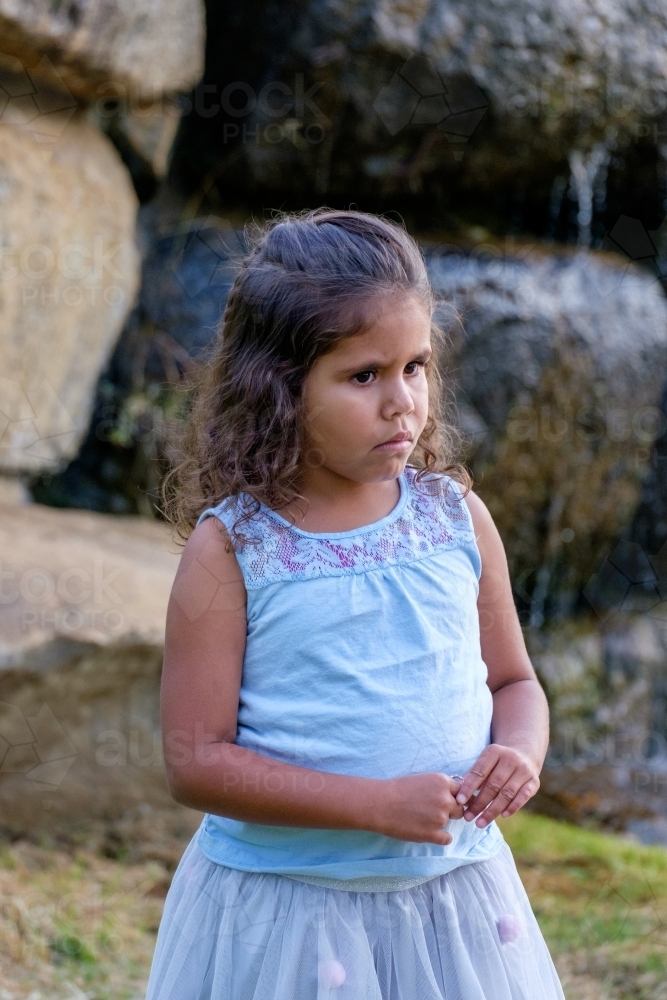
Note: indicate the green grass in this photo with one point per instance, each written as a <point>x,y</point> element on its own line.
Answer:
<point>77,919</point>
<point>601,902</point>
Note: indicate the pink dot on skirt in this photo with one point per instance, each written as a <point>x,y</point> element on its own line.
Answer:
<point>331,973</point>
<point>509,927</point>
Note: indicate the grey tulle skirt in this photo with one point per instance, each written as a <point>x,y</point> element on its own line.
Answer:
<point>233,935</point>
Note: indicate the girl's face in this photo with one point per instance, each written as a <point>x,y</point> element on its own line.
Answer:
<point>366,401</point>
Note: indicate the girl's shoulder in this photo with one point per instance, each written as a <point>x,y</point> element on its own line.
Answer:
<point>439,497</point>
<point>443,488</point>
<point>430,516</point>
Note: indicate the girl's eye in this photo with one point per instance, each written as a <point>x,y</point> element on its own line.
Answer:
<point>363,378</point>
<point>415,366</point>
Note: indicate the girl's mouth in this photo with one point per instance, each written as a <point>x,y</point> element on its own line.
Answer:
<point>400,442</point>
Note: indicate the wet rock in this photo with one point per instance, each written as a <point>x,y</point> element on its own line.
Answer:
<point>187,272</point>
<point>649,526</point>
<point>560,362</point>
<point>557,363</point>
<point>607,758</point>
<point>601,678</point>
<point>594,797</point>
<point>381,98</point>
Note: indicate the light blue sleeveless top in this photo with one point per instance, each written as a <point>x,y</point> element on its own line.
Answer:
<point>362,658</point>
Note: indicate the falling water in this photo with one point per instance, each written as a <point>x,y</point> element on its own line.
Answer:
<point>588,172</point>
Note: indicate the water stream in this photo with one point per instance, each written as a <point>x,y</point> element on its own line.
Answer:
<point>588,176</point>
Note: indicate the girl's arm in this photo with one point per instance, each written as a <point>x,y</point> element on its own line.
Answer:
<point>206,770</point>
<point>507,771</point>
<point>201,678</point>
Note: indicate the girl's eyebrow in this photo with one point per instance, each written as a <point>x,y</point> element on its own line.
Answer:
<point>365,366</point>
<point>423,356</point>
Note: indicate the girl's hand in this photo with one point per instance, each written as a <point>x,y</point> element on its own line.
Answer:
<point>417,807</point>
<point>506,779</point>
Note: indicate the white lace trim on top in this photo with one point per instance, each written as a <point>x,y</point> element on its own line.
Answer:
<point>429,517</point>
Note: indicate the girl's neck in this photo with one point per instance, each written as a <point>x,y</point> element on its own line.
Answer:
<point>339,504</point>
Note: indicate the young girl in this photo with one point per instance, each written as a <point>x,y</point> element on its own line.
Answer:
<point>346,693</point>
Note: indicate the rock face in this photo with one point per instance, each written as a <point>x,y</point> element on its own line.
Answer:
<point>70,267</point>
<point>559,362</point>
<point>109,47</point>
<point>82,624</point>
<point>605,682</point>
<point>584,65</point>
<point>83,602</point>
<point>649,528</point>
<point>79,577</point>
<point>70,275</point>
<point>144,139</point>
<point>187,272</point>
<point>387,98</point>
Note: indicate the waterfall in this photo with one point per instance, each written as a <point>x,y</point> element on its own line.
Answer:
<point>588,176</point>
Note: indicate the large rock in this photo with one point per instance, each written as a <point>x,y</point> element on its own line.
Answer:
<point>568,66</point>
<point>70,275</point>
<point>83,603</point>
<point>560,362</point>
<point>187,272</point>
<point>82,617</point>
<point>104,48</point>
<point>605,681</point>
<point>558,368</point>
<point>144,139</point>
<point>78,577</point>
<point>649,528</point>
<point>387,98</point>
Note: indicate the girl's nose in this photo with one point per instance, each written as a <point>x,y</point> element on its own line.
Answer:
<point>398,401</point>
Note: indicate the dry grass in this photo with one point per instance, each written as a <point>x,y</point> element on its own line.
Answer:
<point>78,926</point>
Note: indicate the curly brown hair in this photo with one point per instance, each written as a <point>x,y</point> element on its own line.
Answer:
<point>309,279</point>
